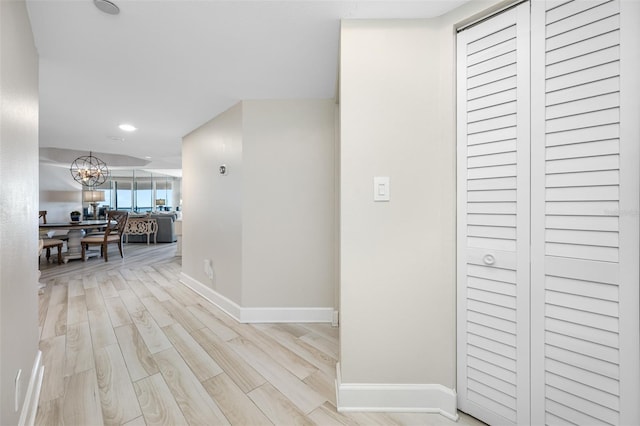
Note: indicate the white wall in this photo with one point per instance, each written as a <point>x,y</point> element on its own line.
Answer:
<point>212,216</point>
<point>397,100</point>
<point>269,224</point>
<point>288,203</point>
<point>19,200</point>
<point>397,257</point>
<point>59,193</point>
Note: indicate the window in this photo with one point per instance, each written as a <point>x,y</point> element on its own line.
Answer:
<point>143,195</point>
<point>124,195</point>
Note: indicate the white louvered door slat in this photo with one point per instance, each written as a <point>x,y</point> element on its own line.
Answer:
<point>493,216</point>
<point>548,214</point>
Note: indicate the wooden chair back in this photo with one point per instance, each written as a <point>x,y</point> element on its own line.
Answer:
<point>42,215</point>
<point>117,222</point>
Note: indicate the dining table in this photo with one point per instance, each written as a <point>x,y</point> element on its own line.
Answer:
<point>77,230</point>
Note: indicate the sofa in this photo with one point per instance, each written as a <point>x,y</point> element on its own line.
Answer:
<point>166,228</point>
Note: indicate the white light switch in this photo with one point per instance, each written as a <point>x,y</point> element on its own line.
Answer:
<point>381,188</point>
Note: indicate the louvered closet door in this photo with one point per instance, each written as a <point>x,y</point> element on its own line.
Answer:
<point>584,214</point>
<point>493,218</point>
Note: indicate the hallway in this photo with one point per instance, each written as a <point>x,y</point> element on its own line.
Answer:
<point>124,342</point>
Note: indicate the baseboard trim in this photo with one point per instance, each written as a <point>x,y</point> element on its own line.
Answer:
<point>32,397</point>
<point>283,315</point>
<point>423,398</point>
<point>257,315</point>
<point>227,305</point>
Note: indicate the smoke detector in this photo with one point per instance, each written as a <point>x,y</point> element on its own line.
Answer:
<point>107,7</point>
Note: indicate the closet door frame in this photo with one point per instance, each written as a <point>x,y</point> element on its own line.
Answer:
<point>630,210</point>
<point>538,27</point>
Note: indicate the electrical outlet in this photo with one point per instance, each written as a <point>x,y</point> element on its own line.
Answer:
<point>208,268</point>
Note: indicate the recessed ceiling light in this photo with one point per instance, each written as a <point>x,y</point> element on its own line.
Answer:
<point>116,138</point>
<point>147,157</point>
<point>107,7</point>
<point>127,127</point>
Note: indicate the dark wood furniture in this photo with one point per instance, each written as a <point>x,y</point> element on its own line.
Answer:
<point>117,220</point>
<point>76,232</point>
<point>49,243</point>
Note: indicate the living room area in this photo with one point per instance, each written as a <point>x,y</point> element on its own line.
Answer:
<point>151,197</point>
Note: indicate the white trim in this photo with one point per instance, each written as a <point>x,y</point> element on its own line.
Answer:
<point>537,212</point>
<point>258,315</point>
<point>490,14</point>
<point>31,398</point>
<point>523,215</point>
<point>383,397</point>
<point>461,217</point>
<point>227,305</point>
<point>629,214</point>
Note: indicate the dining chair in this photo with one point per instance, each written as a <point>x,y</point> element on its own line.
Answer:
<point>49,243</point>
<point>113,234</point>
<point>45,234</point>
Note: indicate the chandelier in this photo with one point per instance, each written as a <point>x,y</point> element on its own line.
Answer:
<point>89,170</point>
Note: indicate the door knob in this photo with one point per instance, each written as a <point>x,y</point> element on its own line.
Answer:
<point>488,259</point>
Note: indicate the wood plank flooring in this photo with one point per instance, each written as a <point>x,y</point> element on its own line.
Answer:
<point>125,343</point>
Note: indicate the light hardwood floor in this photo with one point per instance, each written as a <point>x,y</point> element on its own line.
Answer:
<point>125,343</point>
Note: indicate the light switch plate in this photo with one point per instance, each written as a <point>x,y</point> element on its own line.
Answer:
<point>381,190</point>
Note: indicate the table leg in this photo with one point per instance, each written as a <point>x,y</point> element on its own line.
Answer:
<point>74,247</point>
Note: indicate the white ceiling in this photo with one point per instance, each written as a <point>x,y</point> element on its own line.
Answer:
<point>168,66</point>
